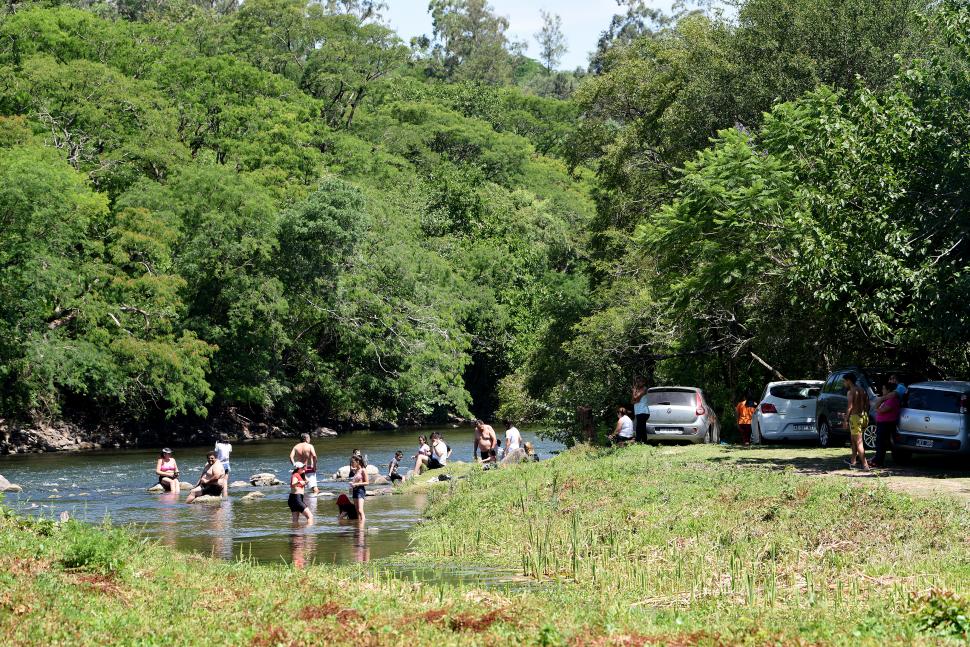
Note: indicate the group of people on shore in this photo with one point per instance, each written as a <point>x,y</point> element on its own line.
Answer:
<point>630,430</point>
<point>431,455</point>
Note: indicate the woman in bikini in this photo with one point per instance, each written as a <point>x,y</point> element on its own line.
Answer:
<point>297,488</point>
<point>358,486</point>
<point>168,471</point>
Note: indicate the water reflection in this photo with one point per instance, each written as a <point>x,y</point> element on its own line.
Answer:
<point>168,519</point>
<point>361,551</point>
<point>220,527</point>
<point>303,547</point>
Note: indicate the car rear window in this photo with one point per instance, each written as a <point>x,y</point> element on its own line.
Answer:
<point>934,400</point>
<point>673,398</point>
<point>795,391</point>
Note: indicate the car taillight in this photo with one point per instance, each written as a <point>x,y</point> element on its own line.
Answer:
<point>700,410</point>
<point>767,407</point>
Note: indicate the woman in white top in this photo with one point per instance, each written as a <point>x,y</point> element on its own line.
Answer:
<point>513,439</point>
<point>223,449</point>
<point>623,434</point>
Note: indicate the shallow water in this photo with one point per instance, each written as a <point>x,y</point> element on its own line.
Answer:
<point>92,486</point>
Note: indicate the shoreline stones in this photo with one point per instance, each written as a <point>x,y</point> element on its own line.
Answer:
<point>208,499</point>
<point>264,479</point>
<point>7,486</point>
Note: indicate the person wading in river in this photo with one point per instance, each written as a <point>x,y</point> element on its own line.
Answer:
<point>223,449</point>
<point>168,471</point>
<point>304,452</point>
<point>486,443</point>
<point>210,482</point>
<point>296,503</point>
<point>358,486</point>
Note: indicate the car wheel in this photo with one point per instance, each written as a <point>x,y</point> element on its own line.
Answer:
<point>825,434</point>
<point>869,437</point>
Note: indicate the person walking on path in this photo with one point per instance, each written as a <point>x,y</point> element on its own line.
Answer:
<point>358,486</point>
<point>623,434</point>
<point>745,410</point>
<point>486,443</point>
<point>168,471</point>
<point>304,452</point>
<point>296,503</point>
<point>223,449</point>
<point>887,417</point>
<point>641,410</point>
<point>858,414</point>
<point>210,482</point>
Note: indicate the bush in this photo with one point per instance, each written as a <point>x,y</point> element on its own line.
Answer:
<point>942,613</point>
<point>102,549</point>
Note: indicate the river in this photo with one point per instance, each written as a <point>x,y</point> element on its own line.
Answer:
<point>94,486</point>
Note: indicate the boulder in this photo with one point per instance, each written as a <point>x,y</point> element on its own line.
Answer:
<point>185,485</point>
<point>324,432</point>
<point>158,487</point>
<point>3,482</point>
<point>372,470</point>
<point>379,480</point>
<point>239,484</point>
<point>208,499</point>
<point>342,474</point>
<point>264,479</point>
<point>253,496</point>
<point>13,487</point>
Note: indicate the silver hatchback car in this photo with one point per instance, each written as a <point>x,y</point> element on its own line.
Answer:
<point>934,420</point>
<point>681,413</point>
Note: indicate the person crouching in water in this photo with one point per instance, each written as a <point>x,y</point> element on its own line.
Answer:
<point>297,489</point>
<point>358,485</point>
<point>211,481</point>
<point>392,468</point>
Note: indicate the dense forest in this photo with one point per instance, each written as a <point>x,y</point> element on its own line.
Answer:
<point>281,208</point>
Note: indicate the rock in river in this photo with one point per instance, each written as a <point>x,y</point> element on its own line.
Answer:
<point>239,484</point>
<point>158,487</point>
<point>264,479</point>
<point>210,500</point>
<point>7,486</point>
<point>344,472</point>
<point>253,496</point>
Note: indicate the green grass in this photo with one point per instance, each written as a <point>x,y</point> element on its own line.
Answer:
<point>634,546</point>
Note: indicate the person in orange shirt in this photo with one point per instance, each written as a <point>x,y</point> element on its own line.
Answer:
<point>745,409</point>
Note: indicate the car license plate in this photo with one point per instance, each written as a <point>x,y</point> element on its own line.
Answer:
<point>924,442</point>
<point>803,427</point>
<point>667,430</point>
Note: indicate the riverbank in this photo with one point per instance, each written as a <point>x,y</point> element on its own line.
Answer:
<point>23,437</point>
<point>694,545</point>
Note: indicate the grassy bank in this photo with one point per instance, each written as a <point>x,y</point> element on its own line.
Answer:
<point>697,545</point>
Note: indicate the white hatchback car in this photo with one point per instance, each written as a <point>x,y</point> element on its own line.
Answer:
<point>786,412</point>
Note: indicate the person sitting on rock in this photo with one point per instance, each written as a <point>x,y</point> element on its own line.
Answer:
<point>393,466</point>
<point>168,471</point>
<point>211,481</point>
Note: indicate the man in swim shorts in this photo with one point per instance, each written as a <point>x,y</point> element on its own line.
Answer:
<point>210,482</point>
<point>858,413</point>
<point>304,452</point>
<point>486,443</point>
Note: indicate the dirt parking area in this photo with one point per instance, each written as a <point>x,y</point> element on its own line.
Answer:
<point>926,476</point>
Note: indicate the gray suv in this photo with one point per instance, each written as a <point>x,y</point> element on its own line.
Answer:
<point>832,405</point>
<point>934,420</point>
<point>681,413</point>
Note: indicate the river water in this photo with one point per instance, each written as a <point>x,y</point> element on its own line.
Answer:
<point>93,486</point>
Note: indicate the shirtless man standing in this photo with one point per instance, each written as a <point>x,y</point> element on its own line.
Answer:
<point>303,452</point>
<point>485,443</point>
<point>858,413</point>
<point>210,481</point>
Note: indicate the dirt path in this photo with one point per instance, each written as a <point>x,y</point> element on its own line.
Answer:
<point>927,476</point>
